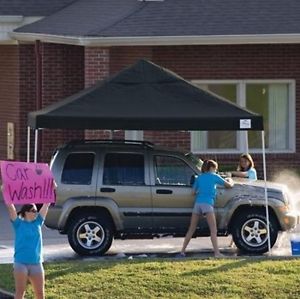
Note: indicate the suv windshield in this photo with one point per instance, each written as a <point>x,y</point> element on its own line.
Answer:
<point>194,159</point>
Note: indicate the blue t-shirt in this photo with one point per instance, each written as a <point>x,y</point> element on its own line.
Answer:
<point>28,240</point>
<point>252,174</point>
<point>205,187</point>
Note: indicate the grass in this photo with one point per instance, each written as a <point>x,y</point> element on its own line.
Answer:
<point>169,278</point>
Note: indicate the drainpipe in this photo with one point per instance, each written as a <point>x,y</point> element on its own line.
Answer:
<point>38,95</point>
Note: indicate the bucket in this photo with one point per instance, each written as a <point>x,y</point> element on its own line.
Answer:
<point>295,245</point>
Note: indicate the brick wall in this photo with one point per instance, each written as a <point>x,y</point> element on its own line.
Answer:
<point>62,76</point>
<point>27,97</point>
<point>122,57</point>
<point>9,95</point>
<point>96,61</point>
<point>101,63</point>
<point>67,69</point>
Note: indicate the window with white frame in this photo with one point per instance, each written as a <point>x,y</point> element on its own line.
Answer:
<point>273,99</point>
<point>134,135</point>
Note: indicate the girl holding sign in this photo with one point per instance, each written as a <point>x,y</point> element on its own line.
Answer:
<point>25,183</point>
<point>28,248</point>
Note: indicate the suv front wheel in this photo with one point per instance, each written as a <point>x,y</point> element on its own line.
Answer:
<point>90,234</point>
<point>249,232</point>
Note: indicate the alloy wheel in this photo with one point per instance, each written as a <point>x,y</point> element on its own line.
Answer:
<point>254,232</point>
<point>90,235</point>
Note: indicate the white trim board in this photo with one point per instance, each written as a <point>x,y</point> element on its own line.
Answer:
<point>159,40</point>
<point>10,23</point>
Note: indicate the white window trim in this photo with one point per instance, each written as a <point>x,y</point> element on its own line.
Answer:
<point>134,135</point>
<point>241,100</point>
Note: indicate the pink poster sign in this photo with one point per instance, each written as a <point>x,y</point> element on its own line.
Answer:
<point>27,183</point>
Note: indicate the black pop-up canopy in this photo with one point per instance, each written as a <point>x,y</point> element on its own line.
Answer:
<point>145,96</point>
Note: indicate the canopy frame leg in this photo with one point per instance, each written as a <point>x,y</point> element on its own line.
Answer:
<point>36,133</point>
<point>28,144</point>
<point>266,190</point>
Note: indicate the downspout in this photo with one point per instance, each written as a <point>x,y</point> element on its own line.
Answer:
<point>38,95</point>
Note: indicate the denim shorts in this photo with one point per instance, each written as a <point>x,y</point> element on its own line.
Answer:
<point>203,208</point>
<point>29,269</point>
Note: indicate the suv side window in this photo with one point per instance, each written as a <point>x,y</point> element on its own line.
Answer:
<point>124,169</point>
<point>172,171</point>
<point>78,169</point>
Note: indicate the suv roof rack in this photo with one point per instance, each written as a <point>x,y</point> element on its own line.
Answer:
<point>111,141</point>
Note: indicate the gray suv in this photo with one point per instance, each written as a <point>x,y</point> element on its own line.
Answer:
<point>129,189</point>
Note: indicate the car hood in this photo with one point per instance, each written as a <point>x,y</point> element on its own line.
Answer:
<point>271,186</point>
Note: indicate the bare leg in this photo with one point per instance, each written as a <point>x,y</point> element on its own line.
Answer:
<point>38,282</point>
<point>193,225</point>
<point>20,284</point>
<point>211,220</point>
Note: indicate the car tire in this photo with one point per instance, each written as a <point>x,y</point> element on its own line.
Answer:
<point>249,232</point>
<point>90,234</point>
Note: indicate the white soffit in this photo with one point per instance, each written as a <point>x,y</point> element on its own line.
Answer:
<point>160,40</point>
<point>10,23</point>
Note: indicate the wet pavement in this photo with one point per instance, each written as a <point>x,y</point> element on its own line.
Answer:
<point>56,249</point>
<point>56,246</point>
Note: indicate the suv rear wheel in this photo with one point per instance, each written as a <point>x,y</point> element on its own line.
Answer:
<point>249,232</point>
<point>90,234</point>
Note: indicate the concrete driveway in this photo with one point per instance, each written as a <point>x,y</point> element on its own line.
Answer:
<point>56,246</point>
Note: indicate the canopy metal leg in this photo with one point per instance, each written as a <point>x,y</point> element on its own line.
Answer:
<point>247,142</point>
<point>28,144</point>
<point>35,145</point>
<point>266,190</point>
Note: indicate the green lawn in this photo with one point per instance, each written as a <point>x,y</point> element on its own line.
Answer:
<point>169,278</point>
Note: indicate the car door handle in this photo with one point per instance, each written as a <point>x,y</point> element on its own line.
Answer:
<point>107,189</point>
<point>164,191</point>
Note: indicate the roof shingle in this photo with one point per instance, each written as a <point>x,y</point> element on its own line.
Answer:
<point>28,8</point>
<point>133,18</point>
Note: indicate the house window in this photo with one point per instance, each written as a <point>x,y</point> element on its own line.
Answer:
<point>134,135</point>
<point>274,100</point>
<point>218,139</point>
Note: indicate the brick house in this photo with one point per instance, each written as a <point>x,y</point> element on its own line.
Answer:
<point>245,51</point>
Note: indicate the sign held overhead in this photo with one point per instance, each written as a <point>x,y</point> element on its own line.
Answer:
<point>25,183</point>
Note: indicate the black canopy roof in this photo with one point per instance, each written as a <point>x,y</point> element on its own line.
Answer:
<point>145,96</point>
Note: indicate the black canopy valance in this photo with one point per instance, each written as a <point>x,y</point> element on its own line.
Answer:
<point>145,96</point>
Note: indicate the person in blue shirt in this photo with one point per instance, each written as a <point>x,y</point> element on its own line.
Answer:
<point>205,191</point>
<point>28,257</point>
<point>245,168</point>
